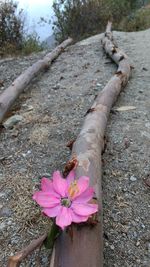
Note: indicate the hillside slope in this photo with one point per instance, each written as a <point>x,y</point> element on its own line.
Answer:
<point>52,113</point>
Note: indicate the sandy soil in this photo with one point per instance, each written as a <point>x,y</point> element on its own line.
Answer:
<point>53,111</point>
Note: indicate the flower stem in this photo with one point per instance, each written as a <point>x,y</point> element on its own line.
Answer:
<point>52,235</point>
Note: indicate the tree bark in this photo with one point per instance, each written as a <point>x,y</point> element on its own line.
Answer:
<point>8,97</point>
<point>84,247</point>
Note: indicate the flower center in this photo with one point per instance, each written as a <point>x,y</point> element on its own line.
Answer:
<point>66,202</point>
<point>73,189</point>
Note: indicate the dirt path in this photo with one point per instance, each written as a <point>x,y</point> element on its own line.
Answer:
<point>53,111</point>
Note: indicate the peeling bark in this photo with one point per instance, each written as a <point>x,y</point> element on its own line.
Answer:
<point>86,247</point>
<point>8,97</point>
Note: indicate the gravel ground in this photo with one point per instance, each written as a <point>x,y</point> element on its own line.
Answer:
<point>52,113</point>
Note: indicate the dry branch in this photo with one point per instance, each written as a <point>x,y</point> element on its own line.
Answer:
<point>14,261</point>
<point>84,248</point>
<point>8,97</point>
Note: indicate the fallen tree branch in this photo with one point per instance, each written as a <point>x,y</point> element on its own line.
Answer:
<point>84,248</point>
<point>14,261</point>
<point>8,97</point>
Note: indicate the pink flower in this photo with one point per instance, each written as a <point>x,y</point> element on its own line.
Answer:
<point>66,199</point>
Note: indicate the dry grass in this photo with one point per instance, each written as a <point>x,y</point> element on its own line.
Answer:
<point>26,213</point>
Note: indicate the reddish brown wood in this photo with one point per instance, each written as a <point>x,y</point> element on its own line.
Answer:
<point>8,97</point>
<point>86,247</point>
<point>14,261</point>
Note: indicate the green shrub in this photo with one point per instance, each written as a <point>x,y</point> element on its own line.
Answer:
<point>139,20</point>
<point>13,38</point>
<point>80,18</point>
<point>31,44</point>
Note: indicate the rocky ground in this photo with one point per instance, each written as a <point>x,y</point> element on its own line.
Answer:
<point>51,113</point>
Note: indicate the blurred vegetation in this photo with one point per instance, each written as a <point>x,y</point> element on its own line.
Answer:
<point>139,20</point>
<point>13,36</point>
<point>82,18</point>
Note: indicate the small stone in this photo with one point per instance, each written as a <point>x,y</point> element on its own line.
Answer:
<point>2,226</point>
<point>148,247</point>
<point>147,125</point>
<point>9,223</point>
<point>133,178</point>
<point>137,243</point>
<point>56,87</point>
<point>112,247</point>
<point>22,170</point>
<point>106,244</point>
<point>5,212</point>
<point>99,84</point>
<point>29,108</point>
<point>9,123</point>
<point>145,134</point>
<point>3,195</point>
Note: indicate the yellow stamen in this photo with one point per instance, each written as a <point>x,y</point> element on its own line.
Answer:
<point>73,189</point>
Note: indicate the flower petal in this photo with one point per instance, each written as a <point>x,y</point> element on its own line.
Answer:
<point>52,212</point>
<point>70,177</point>
<point>46,199</point>
<point>59,184</point>
<point>84,209</point>
<point>77,218</point>
<point>85,196</point>
<point>64,217</point>
<point>83,183</point>
<point>47,186</point>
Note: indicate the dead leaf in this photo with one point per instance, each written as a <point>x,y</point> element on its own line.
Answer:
<point>125,108</point>
<point>147,181</point>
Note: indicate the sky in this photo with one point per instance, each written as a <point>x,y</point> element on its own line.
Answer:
<point>34,9</point>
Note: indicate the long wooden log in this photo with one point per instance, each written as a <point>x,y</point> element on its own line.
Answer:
<point>84,247</point>
<point>8,97</point>
<point>14,261</point>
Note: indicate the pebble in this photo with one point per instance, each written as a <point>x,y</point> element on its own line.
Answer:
<point>112,247</point>
<point>147,125</point>
<point>137,243</point>
<point>143,226</point>
<point>56,87</point>
<point>9,123</point>
<point>29,108</point>
<point>2,226</point>
<point>133,178</point>
<point>22,170</point>
<point>9,223</point>
<point>99,84</point>
<point>5,212</point>
<point>3,195</point>
<point>106,244</point>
